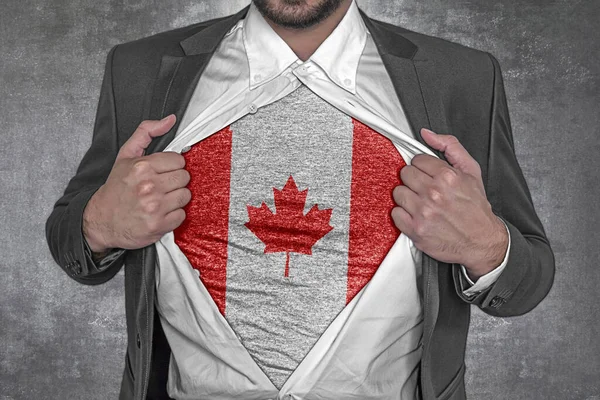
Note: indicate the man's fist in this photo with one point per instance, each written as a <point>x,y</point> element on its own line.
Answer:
<point>143,197</point>
<point>444,210</point>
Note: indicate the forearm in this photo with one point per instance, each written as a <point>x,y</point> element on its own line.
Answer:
<point>64,226</point>
<point>529,273</point>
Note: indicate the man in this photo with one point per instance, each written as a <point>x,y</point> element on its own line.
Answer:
<point>403,230</point>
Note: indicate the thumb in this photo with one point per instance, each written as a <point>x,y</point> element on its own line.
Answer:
<point>453,150</point>
<point>141,138</point>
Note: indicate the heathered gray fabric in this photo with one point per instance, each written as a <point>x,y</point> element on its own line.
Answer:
<point>277,318</point>
<point>369,350</point>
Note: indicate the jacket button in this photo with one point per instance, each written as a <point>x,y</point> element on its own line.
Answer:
<point>497,302</point>
<point>76,267</point>
<point>138,341</point>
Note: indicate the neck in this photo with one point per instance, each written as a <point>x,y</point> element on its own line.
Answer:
<point>304,42</point>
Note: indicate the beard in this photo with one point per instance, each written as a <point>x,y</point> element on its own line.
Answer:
<point>296,14</point>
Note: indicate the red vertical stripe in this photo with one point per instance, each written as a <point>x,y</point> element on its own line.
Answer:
<point>202,237</point>
<point>376,166</point>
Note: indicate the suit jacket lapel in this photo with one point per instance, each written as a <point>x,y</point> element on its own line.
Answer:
<point>175,83</point>
<point>399,55</point>
<point>178,76</point>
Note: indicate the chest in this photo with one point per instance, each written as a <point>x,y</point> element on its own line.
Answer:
<point>290,218</point>
<point>293,199</point>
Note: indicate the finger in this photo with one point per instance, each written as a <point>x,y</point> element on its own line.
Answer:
<point>172,180</point>
<point>414,178</point>
<point>406,198</point>
<point>429,165</point>
<point>142,136</point>
<point>402,220</point>
<point>453,150</point>
<point>166,161</point>
<point>175,199</point>
<point>173,219</point>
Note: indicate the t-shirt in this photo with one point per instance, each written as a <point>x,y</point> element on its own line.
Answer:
<point>289,220</point>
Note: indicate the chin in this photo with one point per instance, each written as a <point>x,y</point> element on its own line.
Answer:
<point>297,14</point>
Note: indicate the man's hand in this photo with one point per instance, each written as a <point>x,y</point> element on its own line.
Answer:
<point>444,210</point>
<point>143,197</point>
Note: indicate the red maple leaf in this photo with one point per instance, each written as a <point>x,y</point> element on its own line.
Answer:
<point>289,229</point>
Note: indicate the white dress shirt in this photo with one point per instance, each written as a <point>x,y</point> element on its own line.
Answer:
<point>253,66</point>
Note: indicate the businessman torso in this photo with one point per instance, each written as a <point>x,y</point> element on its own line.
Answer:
<point>441,85</point>
<point>425,86</point>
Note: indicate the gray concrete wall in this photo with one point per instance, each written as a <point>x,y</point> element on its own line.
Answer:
<point>63,340</point>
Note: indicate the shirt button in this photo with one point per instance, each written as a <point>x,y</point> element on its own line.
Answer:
<point>347,82</point>
<point>186,149</point>
<point>257,77</point>
<point>252,108</point>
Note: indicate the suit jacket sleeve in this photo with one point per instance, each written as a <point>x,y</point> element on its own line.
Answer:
<point>529,272</point>
<point>64,225</point>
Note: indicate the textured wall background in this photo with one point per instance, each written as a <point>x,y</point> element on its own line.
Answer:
<point>63,340</point>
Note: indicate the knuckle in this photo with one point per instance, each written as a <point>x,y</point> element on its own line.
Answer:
<point>145,125</point>
<point>145,187</point>
<point>184,197</point>
<point>427,212</point>
<point>418,229</point>
<point>397,195</point>
<point>181,216</point>
<point>405,171</point>
<point>186,176</point>
<point>396,214</point>
<point>174,179</point>
<point>448,175</point>
<point>181,160</point>
<point>151,207</point>
<point>141,167</point>
<point>434,195</point>
<point>452,139</point>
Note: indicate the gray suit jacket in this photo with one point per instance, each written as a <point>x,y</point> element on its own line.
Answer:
<point>443,86</point>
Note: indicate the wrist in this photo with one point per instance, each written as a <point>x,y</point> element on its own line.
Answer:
<point>92,229</point>
<point>96,257</point>
<point>492,252</point>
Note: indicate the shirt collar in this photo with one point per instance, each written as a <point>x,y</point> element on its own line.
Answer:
<point>269,55</point>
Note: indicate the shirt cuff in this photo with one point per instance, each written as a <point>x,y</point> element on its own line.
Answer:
<point>104,261</point>
<point>488,279</point>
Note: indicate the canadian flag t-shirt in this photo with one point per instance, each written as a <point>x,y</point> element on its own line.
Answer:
<point>289,219</point>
